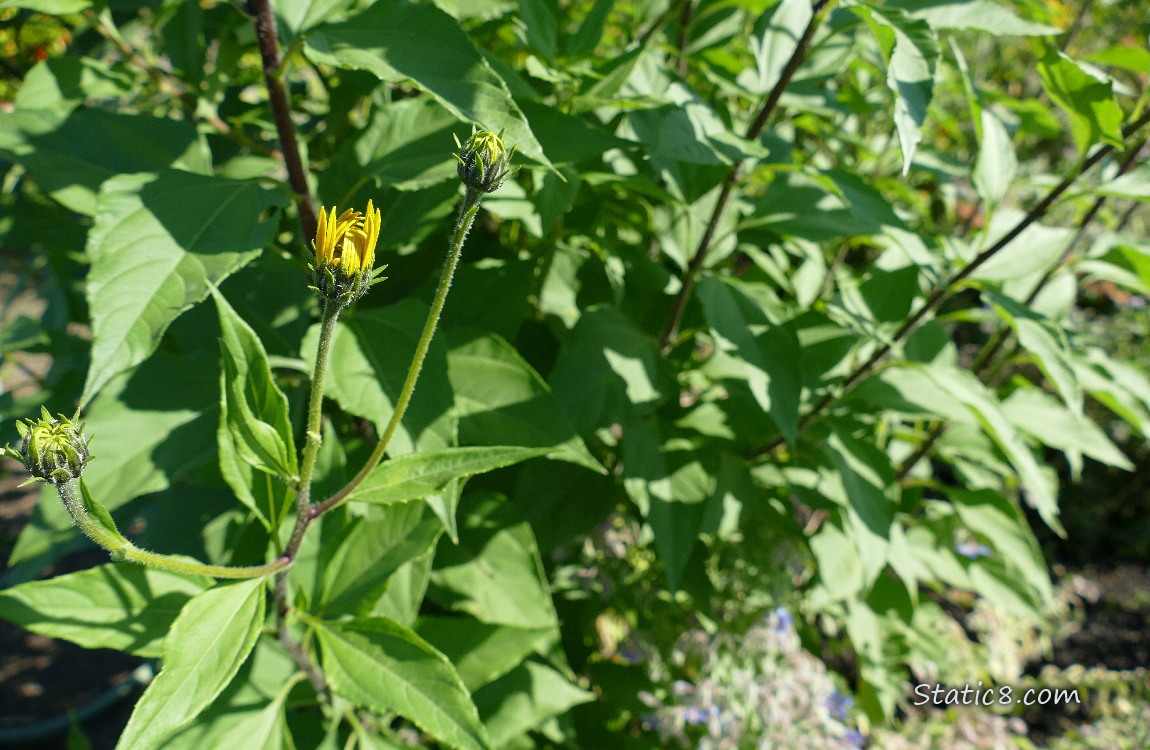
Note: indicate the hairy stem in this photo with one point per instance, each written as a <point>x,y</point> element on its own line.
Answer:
<point>312,438</point>
<point>265,25</point>
<point>467,210</point>
<point>314,435</point>
<point>179,565</point>
<point>695,265</point>
<point>72,494</point>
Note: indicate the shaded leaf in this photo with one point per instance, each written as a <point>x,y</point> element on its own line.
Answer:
<point>379,664</point>
<point>208,643</point>
<point>160,243</point>
<point>126,607</point>
<point>401,41</point>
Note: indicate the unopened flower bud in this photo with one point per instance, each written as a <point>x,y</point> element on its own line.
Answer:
<point>54,449</point>
<point>345,253</point>
<point>483,160</point>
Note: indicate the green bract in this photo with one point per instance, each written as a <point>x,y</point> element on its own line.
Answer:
<point>483,160</point>
<point>52,449</point>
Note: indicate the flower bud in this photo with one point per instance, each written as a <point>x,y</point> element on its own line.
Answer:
<point>483,160</point>
<point>54,449</point>
<point>344,249</point>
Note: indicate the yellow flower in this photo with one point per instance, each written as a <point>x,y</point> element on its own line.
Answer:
<point>344,249</point>
<point>348,241</point>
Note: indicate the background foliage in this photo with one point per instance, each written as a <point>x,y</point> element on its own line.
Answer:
<point>786,336</point>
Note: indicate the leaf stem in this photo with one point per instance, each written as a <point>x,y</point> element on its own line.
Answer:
<point>735,176</point>
<point>265,25</point>
<point>467,210</point>
<point>179,565</point>
<point>104,534</point>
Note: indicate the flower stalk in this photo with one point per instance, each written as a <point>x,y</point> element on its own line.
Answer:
<point>483,167</point>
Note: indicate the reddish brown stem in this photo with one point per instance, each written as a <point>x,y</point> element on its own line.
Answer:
<point>265,24</point>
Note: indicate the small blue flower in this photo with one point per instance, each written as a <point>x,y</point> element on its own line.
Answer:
<point>838,704</point>
<point>694,715</point>
<point>972,550</point>
<point>854,738</point>
<point>783,620</point>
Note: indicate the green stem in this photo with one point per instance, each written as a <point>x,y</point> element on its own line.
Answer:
<point>467,210</point>
<point>105,534</point>
<point>313,436</point>
<point>180,565</point>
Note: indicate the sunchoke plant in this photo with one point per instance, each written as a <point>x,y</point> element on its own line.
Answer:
<point>772,345</point>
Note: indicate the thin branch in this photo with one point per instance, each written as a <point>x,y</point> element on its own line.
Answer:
<point>943,291</point>
<point>1076,25</point>
<point>650,31</point>
<point>671,330</point>
<point>684,36</point>
<point>314,675</point>
<point>265,25</point>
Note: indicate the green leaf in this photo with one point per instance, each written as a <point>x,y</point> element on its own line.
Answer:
<point>674,488</point>
<point>59,84</point>
<point>401,148</point>
<point>208,643</point>
<point>1125,56</point>
<point>73,157</point>
<point>52,7</point>
<point>965,388</point>
<point>1001,523</point>
<point>501,400</point>
<point>299,15</point>
<point>1046,420</point>
<point>369,359</point>
<point>400,41</point>
<point>910,49</point>
<point>1034,250</point>
<point>252,406</point>
<point>870,487</point>
<point>379,664</point>
<point>1046,342</point>
<point>1087,100</point>
<point>405,591</point>
<point>121,606</point>
<point>750,347</point>
<point>773,42</point>
<point>608,372</point>
<point>249,713</point>
<point>480,651</point>
<point>354,568</point>
<point>569,139</point>
<point>996,163</point>
<point>978,15</point>
<point>159,244</point>
<point>688,130</point>
<point>537,19</point>
<point>1134,184</point>
<point>494,573</point>
<point>523,699</point>
<point>586,39</point>
<point>841,570</point>
<point>419,475</point>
